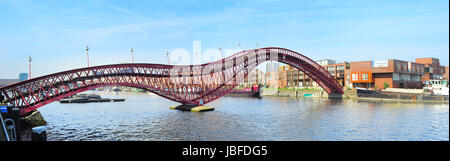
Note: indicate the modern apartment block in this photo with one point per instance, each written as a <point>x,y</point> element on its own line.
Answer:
<point>272,66</point>
<point>255,77</point>
<point>433,70</point>
<point>290,77</point>
<point>324,62</point>
<point>340,71</point>
<point>390,73</point>
<point>272,79</point>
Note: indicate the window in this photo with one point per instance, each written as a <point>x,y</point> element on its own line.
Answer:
<point>399,67</point>
<point>354,77</point>
<point>415,77</point>
<point>332,68</point>
<point>405,67</point>
<point>395,76</point>
<point>364,76</point>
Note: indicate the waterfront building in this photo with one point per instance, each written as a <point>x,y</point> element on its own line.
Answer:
<point>272,79</point>
<point>290,77</point>
<point>446,73</point>
<point>255,77</point>
<point>433,70</point>
<point>23,76</point>
<point>272,66</point>
<point>341,72</point>
<point>390,73</point>
<point>324,62</point>
<point>282,75</point>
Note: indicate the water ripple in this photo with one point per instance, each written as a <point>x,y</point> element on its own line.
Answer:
<point>144,117</point>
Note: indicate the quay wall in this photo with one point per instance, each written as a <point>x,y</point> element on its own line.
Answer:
<point>348,94</point>
<point>352,94</point>
<point>404,96</point>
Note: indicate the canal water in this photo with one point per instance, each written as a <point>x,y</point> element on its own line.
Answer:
<point>148,117</point>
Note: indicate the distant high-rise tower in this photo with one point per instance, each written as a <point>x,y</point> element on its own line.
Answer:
<point>23,76</point>
<point>272,66</point>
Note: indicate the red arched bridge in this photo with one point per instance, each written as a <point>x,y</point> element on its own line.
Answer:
<point>186,84</point>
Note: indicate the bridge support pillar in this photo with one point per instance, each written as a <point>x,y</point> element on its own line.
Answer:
<point>28,122</point>
<point>192,108</point>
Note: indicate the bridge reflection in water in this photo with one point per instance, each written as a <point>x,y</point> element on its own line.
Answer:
<point>145,117</point>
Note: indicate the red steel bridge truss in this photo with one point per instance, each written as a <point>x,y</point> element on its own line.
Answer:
<point>186,84</point>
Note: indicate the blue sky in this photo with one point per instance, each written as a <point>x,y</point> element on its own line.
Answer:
<point>55,33</point>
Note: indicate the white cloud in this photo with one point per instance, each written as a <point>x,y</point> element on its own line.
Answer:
<point>125,11</point>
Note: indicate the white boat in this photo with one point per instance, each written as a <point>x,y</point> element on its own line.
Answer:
<point>438,87</point>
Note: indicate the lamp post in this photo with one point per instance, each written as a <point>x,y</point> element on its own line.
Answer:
<point>132,57</point>
<point>29,67</point>
<point>168,60</point>
<point>87,55</point>
<point>245,79</point>
<point>221,54</point>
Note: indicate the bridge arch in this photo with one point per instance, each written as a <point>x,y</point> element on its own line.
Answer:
<point>186,84</point>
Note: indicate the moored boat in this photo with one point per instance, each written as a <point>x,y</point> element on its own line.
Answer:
<point>246,92</point>
<point>85,98</point>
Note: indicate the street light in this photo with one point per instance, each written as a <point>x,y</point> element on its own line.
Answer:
<point>87,55</point>
<point>132,57</point>
<point>246,79</point>
<point>167,54</point>
<point>29,67</point>
<point>221,54</point>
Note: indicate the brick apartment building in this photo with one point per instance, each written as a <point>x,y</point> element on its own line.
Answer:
<point>446,73</point>
<point>433,70</point>
<point>290,77</point>
<point>391,73</point>
<point>272,79</point>
<point>255,77</point>
<point>340,71</point>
